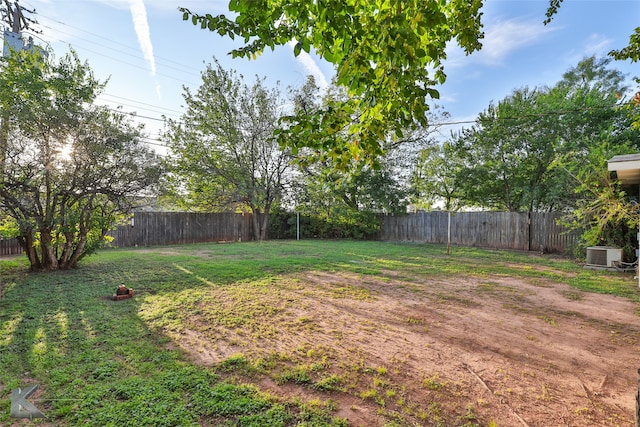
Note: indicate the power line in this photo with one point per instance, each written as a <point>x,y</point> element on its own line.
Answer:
<point>134,114</point>
<point>156,142</point>
<point>176,116</point>
<point>114,42</point>
<point>131,100</point>
<point>530,116</point>
<point>142,67</point>
<point>184,68</point>
<point>138,102</point>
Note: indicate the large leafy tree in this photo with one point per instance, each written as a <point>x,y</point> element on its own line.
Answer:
<point>326,189</point>
<point>69,168</point>
<point>438,179</point>
<point>592,123</point>
<point>508,154</point>
<point>224,149</point>
<point>526,152</point>
<point>325,186</point>
<point>604,128</point>
<point>388,54</point>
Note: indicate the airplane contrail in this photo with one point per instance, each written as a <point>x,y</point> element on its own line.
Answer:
<point>310,65</point>
<point>141,25</point>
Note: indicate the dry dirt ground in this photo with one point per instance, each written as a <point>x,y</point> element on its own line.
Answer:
<point>393,350</point>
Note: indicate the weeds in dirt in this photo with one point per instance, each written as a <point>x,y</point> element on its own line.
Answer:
<point>433,382</point>
<point>545,393</point>
<point>331,383</point>
<point>573,295</point>
<point>551,321</point>
<point>298,375</point>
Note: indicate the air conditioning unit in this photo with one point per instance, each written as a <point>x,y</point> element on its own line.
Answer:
<point>603,256</point>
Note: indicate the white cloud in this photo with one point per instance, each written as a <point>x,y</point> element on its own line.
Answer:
<point>311,67</point>
<point>141,25</point>
<point>506,37</point>
<point>594,45</point>
<point>501,39</point>
<point>597,44</point>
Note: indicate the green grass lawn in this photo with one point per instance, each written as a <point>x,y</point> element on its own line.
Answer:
<point>105,363</point>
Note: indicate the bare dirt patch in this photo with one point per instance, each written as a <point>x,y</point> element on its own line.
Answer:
<point>418,351</point>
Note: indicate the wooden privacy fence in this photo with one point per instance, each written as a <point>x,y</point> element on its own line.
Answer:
<point>10,247</point>
<point>170,228</point>
<point>499,230</point>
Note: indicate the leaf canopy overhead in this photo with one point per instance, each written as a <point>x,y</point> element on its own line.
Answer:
<point>387,53</point>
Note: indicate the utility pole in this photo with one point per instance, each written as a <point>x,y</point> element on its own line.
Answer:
<point>15,17</point>
<point>13,42</point>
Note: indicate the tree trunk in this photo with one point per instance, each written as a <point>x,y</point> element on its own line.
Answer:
<point>79,251</point>
<point>257,221</point>
<point>264,225</point>
<point>27,243</point>
<point>4,137</point>
<point>68,248</point>
<point>49,260</point>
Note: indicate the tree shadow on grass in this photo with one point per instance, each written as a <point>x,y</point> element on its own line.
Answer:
<point>63,331</point>
<point>97,361</point>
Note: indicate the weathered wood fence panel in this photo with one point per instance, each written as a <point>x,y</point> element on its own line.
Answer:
<point>10,247</point>
<point>169,228</point>
<point>431,228</point>
<point>499,230</point>
<point>549,236</point>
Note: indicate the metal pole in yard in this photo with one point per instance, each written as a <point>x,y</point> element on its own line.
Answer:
<point>297,225</point>
<point>448,232</point>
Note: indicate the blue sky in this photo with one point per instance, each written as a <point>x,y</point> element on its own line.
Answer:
<point>148,53</point>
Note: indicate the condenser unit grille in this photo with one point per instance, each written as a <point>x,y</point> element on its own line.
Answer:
<point>597,257</point>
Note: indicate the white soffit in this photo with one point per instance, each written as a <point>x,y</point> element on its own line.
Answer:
<point>627,167</point>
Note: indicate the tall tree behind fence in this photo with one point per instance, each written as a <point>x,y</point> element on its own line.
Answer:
<point>170,228</point>
<point>499,230</point>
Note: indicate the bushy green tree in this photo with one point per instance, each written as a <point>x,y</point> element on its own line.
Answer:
<point>327,191</point>
<point>602,208</point>
<point>225,155</point>
<point>547,149</point>
<point>438,180</point>
<point>69,168</point>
